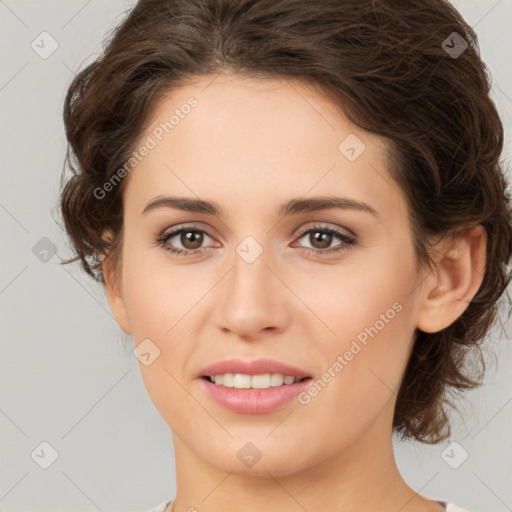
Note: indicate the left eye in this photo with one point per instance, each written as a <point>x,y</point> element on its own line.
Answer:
<point>323,238</point>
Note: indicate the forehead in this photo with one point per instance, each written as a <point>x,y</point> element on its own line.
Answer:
<point>243,138</point>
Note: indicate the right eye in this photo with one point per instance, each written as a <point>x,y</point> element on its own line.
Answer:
<point>190,238</point>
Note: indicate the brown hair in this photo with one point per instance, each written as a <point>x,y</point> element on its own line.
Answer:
<point>394,68</point>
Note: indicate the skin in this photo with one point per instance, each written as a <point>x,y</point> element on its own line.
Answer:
<point>250,145</point>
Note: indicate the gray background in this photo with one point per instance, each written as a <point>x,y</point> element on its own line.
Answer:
<point>68,376</point>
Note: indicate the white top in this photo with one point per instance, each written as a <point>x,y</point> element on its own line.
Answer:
<point>449,507</point>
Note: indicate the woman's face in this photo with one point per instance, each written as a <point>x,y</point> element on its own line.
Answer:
<point>261,281</point>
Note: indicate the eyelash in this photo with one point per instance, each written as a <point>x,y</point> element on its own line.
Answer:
<point>346,239</point>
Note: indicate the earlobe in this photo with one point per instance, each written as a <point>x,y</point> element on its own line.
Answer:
<point>460,272</point>
<point>114,295</point>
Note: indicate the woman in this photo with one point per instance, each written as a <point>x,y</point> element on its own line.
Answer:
<point>297,211</point>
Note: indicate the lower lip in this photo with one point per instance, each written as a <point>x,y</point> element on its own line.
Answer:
<point>254,401</point>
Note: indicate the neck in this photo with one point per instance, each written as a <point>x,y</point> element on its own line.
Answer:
<point>363,476</point>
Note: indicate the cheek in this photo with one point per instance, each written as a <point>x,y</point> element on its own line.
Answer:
<point>368,318</point>
<point>162,302</point>
<point>157,292</point>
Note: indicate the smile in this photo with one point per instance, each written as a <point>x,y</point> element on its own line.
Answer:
<point>245,381</point>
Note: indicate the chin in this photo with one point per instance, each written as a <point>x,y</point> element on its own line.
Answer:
<point>249,460</point>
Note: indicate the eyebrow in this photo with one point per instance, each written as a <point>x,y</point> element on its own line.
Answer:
<point>291,207</point>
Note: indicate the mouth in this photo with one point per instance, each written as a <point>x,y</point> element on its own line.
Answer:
<point>247,381</point>
<point>253,374</point>
<point>259,387</point>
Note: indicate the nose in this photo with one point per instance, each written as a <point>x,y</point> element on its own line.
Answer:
<point>253,299</point>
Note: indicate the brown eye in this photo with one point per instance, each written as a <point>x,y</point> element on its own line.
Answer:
<point>184,241</point>
<point>319,239</point>
<point>191,239</point>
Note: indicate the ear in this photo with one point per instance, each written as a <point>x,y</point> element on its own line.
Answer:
<point>114,294</point>
<point>460,272</point>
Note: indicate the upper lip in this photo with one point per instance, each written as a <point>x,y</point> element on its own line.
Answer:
<point>253,367</point>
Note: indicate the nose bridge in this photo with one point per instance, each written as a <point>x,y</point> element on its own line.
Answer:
<point>250,273</point>
<point>252,300</point>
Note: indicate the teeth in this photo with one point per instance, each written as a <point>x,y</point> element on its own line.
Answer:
<point>244,381</point>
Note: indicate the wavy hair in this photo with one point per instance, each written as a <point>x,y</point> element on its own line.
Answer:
<point>409,71</point>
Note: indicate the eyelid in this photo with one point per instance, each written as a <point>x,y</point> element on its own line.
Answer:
<point>326,226</point>
<point>172,232</point>
<point>298,233</point>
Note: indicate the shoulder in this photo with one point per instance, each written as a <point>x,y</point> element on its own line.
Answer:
<point>162,507</point>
